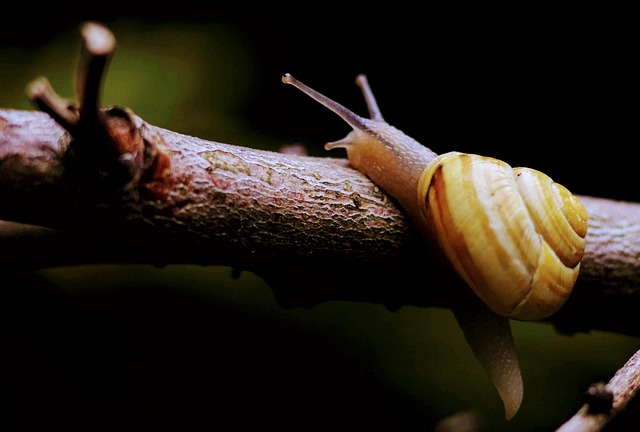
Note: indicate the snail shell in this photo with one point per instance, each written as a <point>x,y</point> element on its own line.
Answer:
<point>513,234</point>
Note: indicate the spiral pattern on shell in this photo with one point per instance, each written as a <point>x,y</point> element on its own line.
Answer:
<point>513,234</point>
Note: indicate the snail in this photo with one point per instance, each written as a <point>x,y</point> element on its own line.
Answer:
<point>513,235</point>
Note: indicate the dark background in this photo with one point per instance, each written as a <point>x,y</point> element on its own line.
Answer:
<point>543,85</point>
<point>550,85</point>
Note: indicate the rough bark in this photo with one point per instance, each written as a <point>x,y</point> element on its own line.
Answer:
<point>314,228</point>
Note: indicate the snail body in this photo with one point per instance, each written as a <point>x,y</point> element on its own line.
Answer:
<point>512,234</point>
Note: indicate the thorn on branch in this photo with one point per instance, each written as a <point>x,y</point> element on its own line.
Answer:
<point>98,46</point>
<point>598,398</point>
<point>295,148</point>
<point>110,144</point>
<point>46,99</point>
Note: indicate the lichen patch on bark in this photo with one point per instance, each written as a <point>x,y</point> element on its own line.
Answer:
<point>219,159</point>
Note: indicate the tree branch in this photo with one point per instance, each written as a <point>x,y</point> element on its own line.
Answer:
<point>605,402</point>
<point>283,216</point>
<point>219,204</point>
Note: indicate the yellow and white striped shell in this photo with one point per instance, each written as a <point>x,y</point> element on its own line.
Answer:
<point>513,234</point>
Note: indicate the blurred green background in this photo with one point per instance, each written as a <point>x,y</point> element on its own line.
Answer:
<point>189,347</point>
